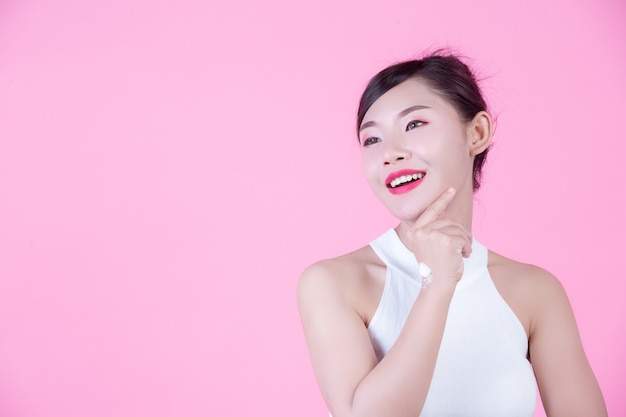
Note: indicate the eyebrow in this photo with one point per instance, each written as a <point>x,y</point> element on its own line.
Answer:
<point>401,114</point>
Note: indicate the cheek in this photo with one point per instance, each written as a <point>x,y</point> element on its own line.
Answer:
<point>371,174</point>
<point>451,148</point>
<point>459,163</point>
<point>367,167</point>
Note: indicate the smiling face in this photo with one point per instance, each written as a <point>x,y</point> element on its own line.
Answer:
<point>415,146</point>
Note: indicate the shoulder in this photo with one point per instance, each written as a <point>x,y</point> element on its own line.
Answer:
<point>343,272</point>
<point>522,276</point>
<point>346,280</point>
<point>531,291</point>
<point>521,273</point>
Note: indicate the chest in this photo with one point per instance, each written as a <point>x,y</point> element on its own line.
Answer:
<point>481,368</point>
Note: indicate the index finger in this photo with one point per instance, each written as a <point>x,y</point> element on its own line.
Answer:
<point>438,206</point>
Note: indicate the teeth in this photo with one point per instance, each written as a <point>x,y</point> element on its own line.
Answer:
<point>406,178</point>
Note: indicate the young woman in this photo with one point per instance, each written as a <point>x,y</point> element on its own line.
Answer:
<point>426,321</point>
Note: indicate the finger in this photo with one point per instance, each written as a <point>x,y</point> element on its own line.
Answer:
<point>461,241</point>
<point>460,245</point>
<point>456,235</point>
<point>459,237</point>
<point>456,232</point>
<point>445,223</point>
<point>433,211</point>
<point>466,251</point>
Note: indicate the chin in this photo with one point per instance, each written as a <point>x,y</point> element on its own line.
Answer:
<point>407,213</point>
<point>409,207</point>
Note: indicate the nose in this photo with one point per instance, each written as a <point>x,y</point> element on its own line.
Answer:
<point>395,152</point>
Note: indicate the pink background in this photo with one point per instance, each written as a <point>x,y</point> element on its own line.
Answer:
<point>167,171</point>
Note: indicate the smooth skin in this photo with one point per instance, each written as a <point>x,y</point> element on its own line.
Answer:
<point>411,127</point>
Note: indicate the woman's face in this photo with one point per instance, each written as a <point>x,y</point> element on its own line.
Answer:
<point>414,147</point>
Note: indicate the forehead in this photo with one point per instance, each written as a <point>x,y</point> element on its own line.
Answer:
<point>406,94</point>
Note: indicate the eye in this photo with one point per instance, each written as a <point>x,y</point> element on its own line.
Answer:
<point>413,124</point>
<point>371,140</point>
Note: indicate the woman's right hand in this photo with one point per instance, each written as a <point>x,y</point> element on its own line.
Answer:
<point>440,242</point>
<point>352,379</point>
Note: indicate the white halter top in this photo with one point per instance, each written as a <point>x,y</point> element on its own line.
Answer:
<point>482,368</point>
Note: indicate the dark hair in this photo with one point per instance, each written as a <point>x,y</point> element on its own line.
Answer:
<point>448,76</point>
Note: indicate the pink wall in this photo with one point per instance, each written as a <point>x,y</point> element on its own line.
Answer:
<point>166,172</point>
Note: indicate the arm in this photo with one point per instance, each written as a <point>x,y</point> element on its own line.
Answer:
<point>565,379</point>
<point>351,381</point>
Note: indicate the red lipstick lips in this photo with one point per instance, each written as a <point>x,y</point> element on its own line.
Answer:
<point>403,181</point>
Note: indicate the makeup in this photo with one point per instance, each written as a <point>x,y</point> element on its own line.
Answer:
<point>403,181</point>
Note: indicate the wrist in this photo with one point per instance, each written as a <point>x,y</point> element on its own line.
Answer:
<point>429,281</point>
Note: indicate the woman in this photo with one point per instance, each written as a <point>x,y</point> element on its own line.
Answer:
<point>425,321</point>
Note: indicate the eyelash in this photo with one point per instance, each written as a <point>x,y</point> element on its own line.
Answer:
<point>373,139</point>
<point>417,123</point>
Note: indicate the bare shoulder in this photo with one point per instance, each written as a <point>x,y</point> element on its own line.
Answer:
<point>354,279</point>
<point>343,271</point>
<point>526,288</point>
<point>521,274</point>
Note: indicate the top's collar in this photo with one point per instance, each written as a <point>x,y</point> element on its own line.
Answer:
<point>393,252</point>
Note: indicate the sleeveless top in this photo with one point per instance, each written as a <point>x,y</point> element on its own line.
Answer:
<point>482,367</point>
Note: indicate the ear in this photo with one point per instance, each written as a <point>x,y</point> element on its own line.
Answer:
<point>479,132</point>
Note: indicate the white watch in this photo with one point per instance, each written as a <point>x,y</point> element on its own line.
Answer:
<point>425,273</point>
